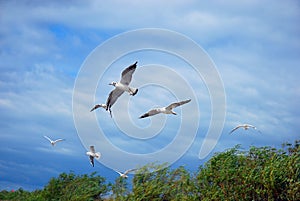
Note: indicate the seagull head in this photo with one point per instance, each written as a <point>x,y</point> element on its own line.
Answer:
<point>113,83</point>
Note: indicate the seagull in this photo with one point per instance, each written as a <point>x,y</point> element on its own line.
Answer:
<point>121,86</point>
<point>245,126</point>
<point>124,175</point>
<point>165,110</point>
<point>53,142</point>
<point>93,154</point>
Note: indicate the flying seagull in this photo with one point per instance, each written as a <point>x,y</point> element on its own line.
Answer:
<point>165,110</point>
<point>125,174</point>
<point>121,86</point>
<point>245,126</point>
<point>53,142</point>
<point>93,154</point>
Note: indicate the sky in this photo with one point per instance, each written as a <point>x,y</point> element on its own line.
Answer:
<point>237,60</point>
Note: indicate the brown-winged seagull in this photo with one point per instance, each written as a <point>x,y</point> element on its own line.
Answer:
<point>53,142</point>
<point>245,126</point>
<point>125,174</point>
<point>121,86</point>
<point>165,110</point>
<point>93,154</point>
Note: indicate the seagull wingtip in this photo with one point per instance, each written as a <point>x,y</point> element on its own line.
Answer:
<point>143,116</point>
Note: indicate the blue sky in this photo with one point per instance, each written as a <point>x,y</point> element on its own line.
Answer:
<point>255,46</point>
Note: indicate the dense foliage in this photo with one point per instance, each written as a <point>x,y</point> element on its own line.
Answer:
<point>263,173</point>
<point>65,188</point>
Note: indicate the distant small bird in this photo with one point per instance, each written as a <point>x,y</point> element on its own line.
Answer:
<point>53,142</point>
<point>121,86</point>
<point>93,154</point>
<point>165,110</point>
<point>125,174</point>
<point>97,106</point>
<point>245,126</point>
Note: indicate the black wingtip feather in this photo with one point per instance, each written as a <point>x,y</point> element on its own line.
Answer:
<point>144,115</point>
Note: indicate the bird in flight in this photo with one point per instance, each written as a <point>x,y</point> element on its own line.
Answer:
<point>53,142</point>
<point>93,154</point>
<point>245,126</point>
<point>125,174</point>
<point>165,110</point>
<point>121,86</point>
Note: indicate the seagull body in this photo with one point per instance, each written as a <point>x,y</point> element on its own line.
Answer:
<point>125,174</point>
<point>93,154</point>
<point>53,142</point>
<point>165,110</point>
<point>245,126</point>
<point>121,86</point>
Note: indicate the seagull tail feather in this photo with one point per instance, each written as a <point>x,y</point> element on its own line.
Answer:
<point>134,91</point>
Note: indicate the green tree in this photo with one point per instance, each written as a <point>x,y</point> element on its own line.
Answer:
<point>72,187</point>
<point>120,189</point>
<point>158,182</point>
<point>260,174</point>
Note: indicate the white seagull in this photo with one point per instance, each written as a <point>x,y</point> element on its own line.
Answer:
<point>93,154</point>
<point>245,126</point>
<point>125,174</point>
<point>121,86</point>
<point>53,142</point>
<point>165,110</point>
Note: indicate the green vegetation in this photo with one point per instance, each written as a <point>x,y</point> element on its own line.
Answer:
<point>263,173</point>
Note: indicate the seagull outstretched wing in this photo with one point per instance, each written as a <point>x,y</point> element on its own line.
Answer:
<point>250,126</point>
<point>173,105</point>
<point>58,140</point>
<point>150,113</point>
<point>97,106</point>
<point>112,98</point>
<point>127,74</point>
<point>120,173</point>
<point>47,138</point>
<point>130,170</point>
<point>234,129</point>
